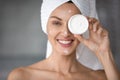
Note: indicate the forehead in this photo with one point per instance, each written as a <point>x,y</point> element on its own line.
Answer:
<point>66,9</point>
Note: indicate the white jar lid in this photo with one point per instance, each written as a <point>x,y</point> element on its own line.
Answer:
<point>78,24</point>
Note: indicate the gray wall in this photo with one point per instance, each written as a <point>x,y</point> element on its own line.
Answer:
<point>22,41</point>
<point>109,13</point>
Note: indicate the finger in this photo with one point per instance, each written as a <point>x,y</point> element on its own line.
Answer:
<point>105,33</point>
<point>88,18</point>
<point>95,26</point>
<point>89,21</point>
<point>99,31</point>
<point>80,38</point>
<point>90,24</point>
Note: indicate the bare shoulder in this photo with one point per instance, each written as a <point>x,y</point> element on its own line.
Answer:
<point>17,74</point>
<point>24,73</point>
<point>100,74</point>
<point>29,72</point>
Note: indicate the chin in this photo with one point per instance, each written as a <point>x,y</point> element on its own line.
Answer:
<point>66,52</point>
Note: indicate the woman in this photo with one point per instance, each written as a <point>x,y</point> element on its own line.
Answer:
<point>62,63</point>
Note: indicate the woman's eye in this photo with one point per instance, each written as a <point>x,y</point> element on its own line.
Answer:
<point>56,23</point>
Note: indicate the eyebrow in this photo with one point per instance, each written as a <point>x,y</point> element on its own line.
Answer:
<point>56,17</point>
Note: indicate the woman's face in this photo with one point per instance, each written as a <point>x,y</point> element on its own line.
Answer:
<point>61,39</point>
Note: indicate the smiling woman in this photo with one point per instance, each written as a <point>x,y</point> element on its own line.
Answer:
<point>62,63</point>
<point>57,29</point>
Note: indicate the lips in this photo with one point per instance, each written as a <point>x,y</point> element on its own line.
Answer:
<point>65,43</point>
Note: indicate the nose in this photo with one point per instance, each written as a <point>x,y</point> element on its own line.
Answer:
<point>65,31</point>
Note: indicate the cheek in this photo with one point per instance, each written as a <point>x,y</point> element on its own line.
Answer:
<point>51,32</point>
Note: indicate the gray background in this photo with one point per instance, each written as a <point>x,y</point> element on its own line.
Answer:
<point>22,41</point>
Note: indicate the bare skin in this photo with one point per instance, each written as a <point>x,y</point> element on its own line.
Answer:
<point>62,63</point>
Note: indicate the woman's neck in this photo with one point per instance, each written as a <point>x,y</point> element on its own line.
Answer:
<point>63,63</point>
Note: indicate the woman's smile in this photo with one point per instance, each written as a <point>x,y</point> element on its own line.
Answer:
<point>65,42</point>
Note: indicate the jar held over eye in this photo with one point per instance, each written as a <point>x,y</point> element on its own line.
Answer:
<point>78,24</point>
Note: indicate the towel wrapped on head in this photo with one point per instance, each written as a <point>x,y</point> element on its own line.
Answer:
<point>87,8</point>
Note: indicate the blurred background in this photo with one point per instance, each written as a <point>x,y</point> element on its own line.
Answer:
<point>22,41</point>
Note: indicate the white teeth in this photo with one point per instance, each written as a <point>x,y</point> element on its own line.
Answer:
<point>65,42</point>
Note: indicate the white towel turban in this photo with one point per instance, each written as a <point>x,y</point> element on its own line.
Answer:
<point>87,8</point>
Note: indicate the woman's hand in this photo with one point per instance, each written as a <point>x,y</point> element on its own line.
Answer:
<point>98,40</point>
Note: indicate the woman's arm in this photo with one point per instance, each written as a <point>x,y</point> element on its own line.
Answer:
<point>99,43</point>
<point>110,67</point>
